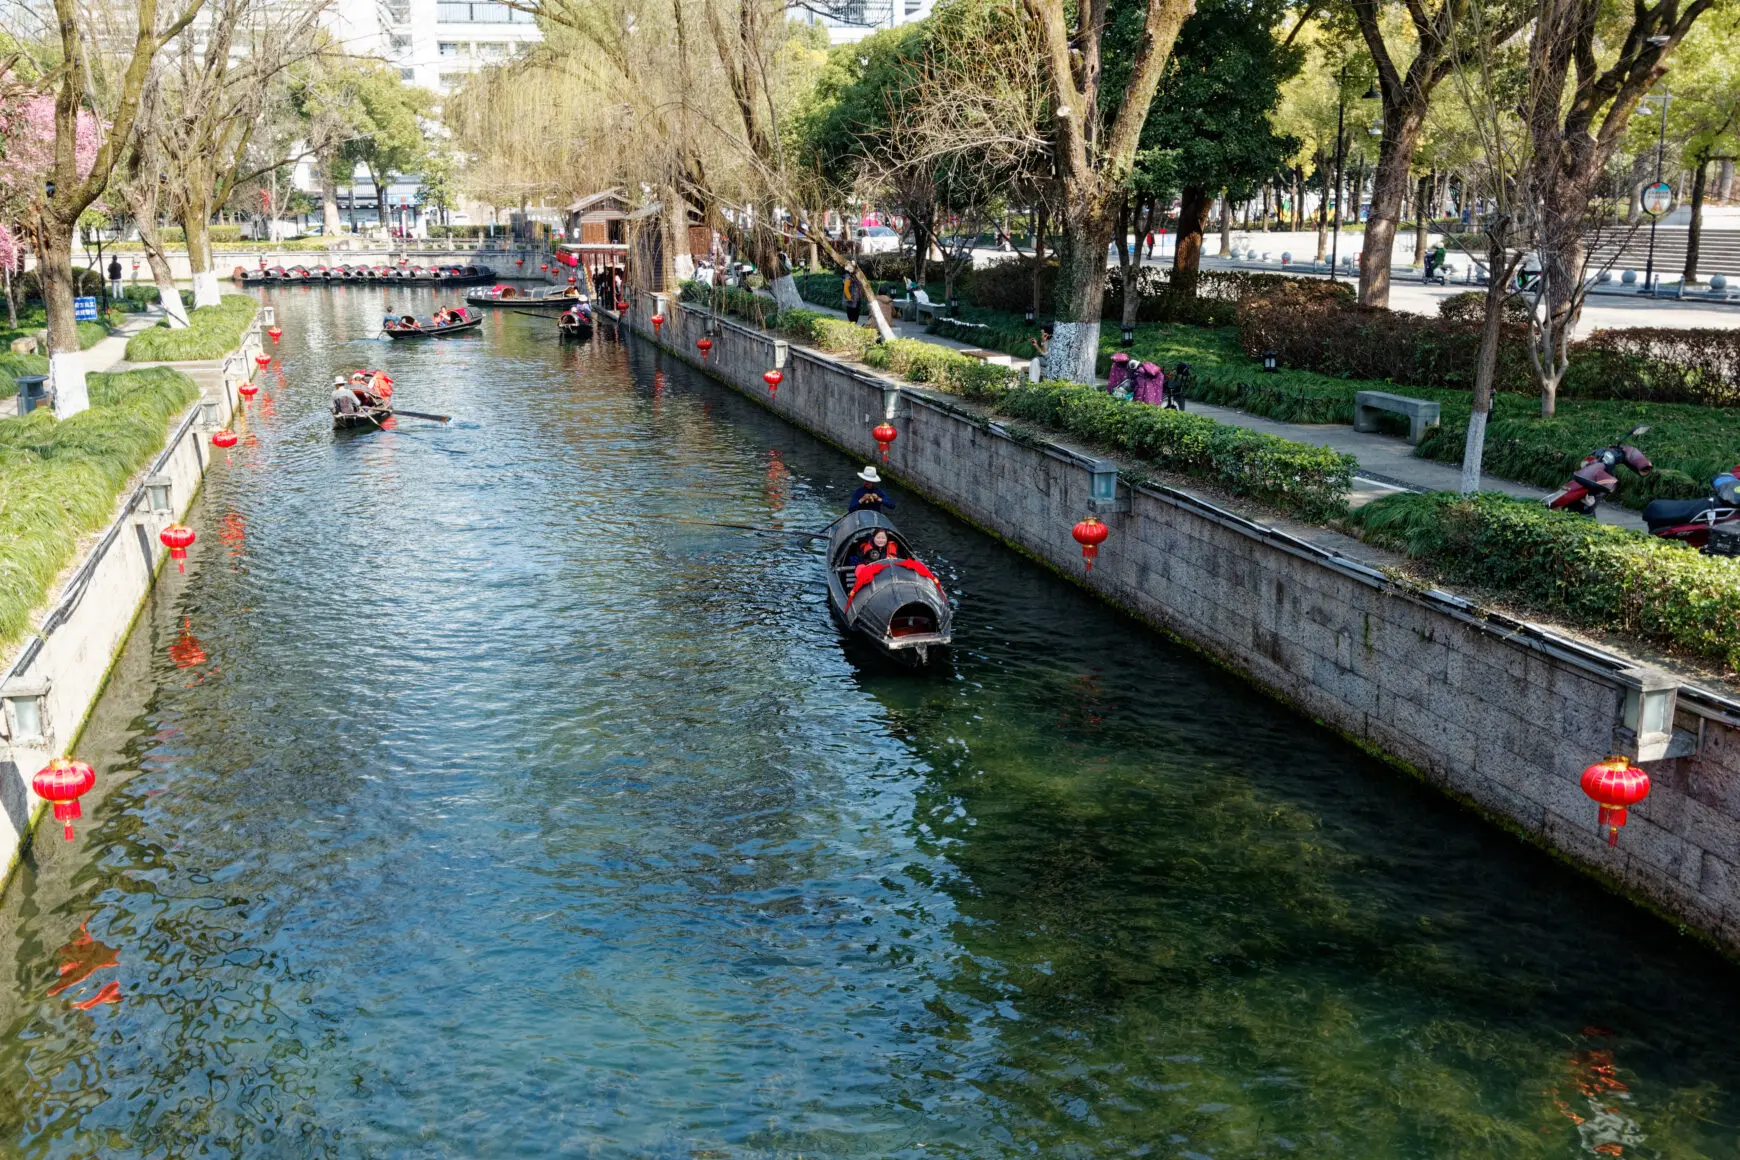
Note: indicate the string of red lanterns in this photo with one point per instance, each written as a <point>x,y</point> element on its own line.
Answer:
<point>64,782</point>
<point>884,434</point>
<point>773,379</point>
<point>1615,785</point>
<point>225,439</point>
<point>1090,534</point>
<point>178,538</point>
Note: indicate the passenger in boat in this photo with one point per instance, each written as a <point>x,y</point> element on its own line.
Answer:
<point>869,496</point>
<point>408,321</point>
<point>343,399</point>
<point>877,547</point>
<point>359,386</point>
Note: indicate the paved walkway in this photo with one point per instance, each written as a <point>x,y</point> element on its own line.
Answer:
<point>1387,463</point>
<point>106,355</point>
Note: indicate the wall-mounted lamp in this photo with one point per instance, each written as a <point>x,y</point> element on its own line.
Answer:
<point>1103,487</point>
<point>208,413</point>
<point>160,493</point>
<point>25,710</point>
<point>1647,730</point>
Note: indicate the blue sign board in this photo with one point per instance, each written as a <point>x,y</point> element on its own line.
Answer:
<point>84,309</point>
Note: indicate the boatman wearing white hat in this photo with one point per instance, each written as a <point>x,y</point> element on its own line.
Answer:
<point>870,496</point>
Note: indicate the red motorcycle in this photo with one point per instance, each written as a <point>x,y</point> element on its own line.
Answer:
<point>1594,481</point>
<point>1694,522</point>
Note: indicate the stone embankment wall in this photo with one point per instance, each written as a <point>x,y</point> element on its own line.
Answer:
<point>50,684</point>
<point>1501,714</point>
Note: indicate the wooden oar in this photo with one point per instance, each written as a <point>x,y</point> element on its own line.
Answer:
<point>423,415</point>
<point>536,314</point>
<point>753,528</point>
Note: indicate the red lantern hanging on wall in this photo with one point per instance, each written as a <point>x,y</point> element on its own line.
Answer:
<point>247,391</point>
<point>773,379</point>
<point>544,267</point>
<point>884,434</point>
<point>704,345</point>
<point>520,262</point>
<point>658,320</point>
<point>64,782</point>
<point>262,359</point>
<point>225,439</point>
<point>178,538</point>
<point>275,332</point>
<point>1615,785</point>
<point>1090,534</point>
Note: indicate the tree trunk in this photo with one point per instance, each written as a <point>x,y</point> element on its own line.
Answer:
<point>66,364</point>
<point>11,299</point>
<point>1725,180</point>
<point>160,273</point>
<point>1080,295</point>
<point>1695,230</point>
<point>1193,211</point>
<point>1634,208</point>
<point>330,224</point>
<point>195,225</point>
<point>1322,211</point>
<point>1041,216</point>
<point>1127,268</point>
<point>1486,363</point>
<point>1389,197</point>
<point>1422,226</point>
<point>1225,224</point>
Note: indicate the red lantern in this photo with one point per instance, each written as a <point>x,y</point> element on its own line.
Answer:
<point>247,390</point>
<point>64,782</point>
<point>519,262</point>
<point>1090,534</point>
<point>545,267</point>
<point>773,379</point>
<point>573,281</point>
<point>658,320</point>
<point>262,359</point>
<point>1615,785</point>
<point>704,345</point>
<point>884,434</point>
<point>275,332</point>
<point>177,538</point>
<point>225,439</point>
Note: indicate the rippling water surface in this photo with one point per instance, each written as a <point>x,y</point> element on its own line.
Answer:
<point>463,801</point>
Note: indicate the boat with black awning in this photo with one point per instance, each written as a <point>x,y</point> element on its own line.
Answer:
<point>894,604</point>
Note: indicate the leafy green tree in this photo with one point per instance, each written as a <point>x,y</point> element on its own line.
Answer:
<point>389,135</point>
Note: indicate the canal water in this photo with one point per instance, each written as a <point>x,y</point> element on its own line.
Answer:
<point>466,799</point>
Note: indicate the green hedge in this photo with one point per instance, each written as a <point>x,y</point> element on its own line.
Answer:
<point>1594,574</point>
<point>59,480</point>
<point>1310,481</point>
<point>214,234</point>
<point>211,332</point>
<point>32,319</point>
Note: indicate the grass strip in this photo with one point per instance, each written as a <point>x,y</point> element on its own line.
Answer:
<point>211,332</point>
<point>59,479</point>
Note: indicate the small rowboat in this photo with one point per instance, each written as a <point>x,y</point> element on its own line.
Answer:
<point>575,323</point>
<point>894,605</point>
<point>500,295</point>
<point>369,419</point>
<point>397,327</point>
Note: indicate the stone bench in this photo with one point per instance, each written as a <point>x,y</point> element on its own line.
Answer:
<point>1421,413</point>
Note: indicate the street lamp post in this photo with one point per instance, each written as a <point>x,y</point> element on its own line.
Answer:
<point>1660,146</point>
<point>1340,161</point>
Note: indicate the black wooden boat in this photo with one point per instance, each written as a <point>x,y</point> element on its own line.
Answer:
<point>895,605</point>
<point>574,325</point>
<point>396,327</point>
<point>366,419</point>
<point>551,297</point>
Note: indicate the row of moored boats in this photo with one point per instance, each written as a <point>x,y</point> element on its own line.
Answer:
<point>401,275</point>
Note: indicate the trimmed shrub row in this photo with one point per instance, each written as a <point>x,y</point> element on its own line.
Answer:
<point>211,332</point>
<point>1310,481</point>
<point>1595,574</point>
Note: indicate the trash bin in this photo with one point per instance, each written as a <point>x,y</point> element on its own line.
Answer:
<point>32,392</point>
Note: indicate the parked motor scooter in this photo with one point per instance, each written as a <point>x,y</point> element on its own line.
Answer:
<point>1594,481</point>
<point>1692,521</point>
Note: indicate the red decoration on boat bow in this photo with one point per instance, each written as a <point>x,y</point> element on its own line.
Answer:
<point>177,538</point>
<point>773,379</point>
<point>1615,785</point>
<point>884,434</point>
<point>1090,534</point>
<point>64,782</point>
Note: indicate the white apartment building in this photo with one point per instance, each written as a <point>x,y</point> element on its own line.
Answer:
<point>433,43</point>
<point>849,21</point>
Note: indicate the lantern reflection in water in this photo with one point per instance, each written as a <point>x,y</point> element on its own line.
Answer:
<point>81,958</point>
<point>186,651</point>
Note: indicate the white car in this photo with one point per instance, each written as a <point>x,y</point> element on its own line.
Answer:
<point>878,240</point>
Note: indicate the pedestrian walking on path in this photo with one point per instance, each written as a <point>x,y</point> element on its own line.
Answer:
<point>854,300</point>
